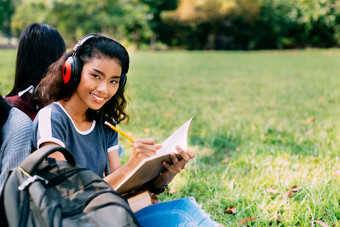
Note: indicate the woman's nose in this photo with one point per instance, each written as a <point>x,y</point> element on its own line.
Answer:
<point>102,87</point>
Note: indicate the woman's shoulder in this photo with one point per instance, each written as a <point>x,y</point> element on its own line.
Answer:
<point>18,120</point>
<point>14,100</point>
<point>23,103</point>
<point>51,111</point>
<point>16,114</point>
<point>53,107</point>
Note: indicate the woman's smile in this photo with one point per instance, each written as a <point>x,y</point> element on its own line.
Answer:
<point>98,83</point>
<point>97,98</point>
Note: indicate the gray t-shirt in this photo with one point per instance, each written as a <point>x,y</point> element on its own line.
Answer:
<point>54,124</point>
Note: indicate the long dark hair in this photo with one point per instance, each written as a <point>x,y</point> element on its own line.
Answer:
<point>40,45</point>
<point>52,88</point>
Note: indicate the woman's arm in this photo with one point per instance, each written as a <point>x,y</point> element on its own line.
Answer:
<point>56,155</point>
<point>114,160</point>
<point>142,148</point>
<point>16,144</point>
<point>172,170</point>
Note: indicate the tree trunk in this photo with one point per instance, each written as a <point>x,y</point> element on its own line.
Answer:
<point>153,41</point>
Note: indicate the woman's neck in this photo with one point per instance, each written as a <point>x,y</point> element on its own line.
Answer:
<point>77,114</point>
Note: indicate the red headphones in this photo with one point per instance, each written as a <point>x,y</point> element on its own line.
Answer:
<point>72,67</point>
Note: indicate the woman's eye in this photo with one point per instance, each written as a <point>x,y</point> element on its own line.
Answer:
<point>95,76</point>
<point>114,82</point>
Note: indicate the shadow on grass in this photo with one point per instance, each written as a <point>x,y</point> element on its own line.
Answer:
<point>270,142</point>
<point>220,146</point>
<point>286,141</point>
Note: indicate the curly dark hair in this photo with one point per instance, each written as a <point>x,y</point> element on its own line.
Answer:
<point>52,88</point>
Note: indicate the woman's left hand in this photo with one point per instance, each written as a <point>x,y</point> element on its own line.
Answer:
<point>172,170</point>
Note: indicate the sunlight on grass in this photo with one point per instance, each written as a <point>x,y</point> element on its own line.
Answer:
<point>262,120</point>
<point>7,68</point>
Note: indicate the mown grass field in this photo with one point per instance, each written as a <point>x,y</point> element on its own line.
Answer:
<point>264,122</point>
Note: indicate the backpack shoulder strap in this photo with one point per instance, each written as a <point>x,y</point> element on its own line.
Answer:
<point>31,163</point>
<point>4,109</point>
<point>3,219</point>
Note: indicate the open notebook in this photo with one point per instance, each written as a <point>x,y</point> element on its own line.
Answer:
<point>151,167</point>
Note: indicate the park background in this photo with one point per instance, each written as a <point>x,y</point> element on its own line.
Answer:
<point>260,78</point>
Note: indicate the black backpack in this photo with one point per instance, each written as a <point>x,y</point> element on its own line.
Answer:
<point>45,192</point>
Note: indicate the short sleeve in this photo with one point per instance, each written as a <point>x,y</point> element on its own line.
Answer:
<point>113,141</point>
<point>49,126</point>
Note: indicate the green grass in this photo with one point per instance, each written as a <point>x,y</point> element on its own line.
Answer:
<point>7,68</point>
<point>267,119</point>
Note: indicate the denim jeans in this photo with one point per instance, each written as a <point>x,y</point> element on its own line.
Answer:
<point>181,212</point>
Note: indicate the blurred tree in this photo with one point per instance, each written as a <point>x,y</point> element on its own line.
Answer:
<point>160,30</point>
<point>134,21</point>
<point>321,18</point>
<point>211,18</point>
<point>277,21</point>
<point>6,11</point>
<point>28,12</point>
<point>256,24</point>
<point>76,18</point>
<point>192,24</point>
<point>121,19</point>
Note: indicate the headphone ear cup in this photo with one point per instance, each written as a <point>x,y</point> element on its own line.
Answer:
<point>122,83</point>
<point>67,70</point>
<point>71,70</point>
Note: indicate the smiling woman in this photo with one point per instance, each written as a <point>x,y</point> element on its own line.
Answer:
<point>80,90</point>
<point>100,79</point>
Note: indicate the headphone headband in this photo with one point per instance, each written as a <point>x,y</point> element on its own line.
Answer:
<point>84,39</point>
<point>72,66</point>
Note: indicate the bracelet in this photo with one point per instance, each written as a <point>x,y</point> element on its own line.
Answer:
<point>157,191</point>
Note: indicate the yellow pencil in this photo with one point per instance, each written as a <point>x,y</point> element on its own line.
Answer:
<point>117,130</point>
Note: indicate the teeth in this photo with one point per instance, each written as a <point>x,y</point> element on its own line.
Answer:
<point>96,97</point>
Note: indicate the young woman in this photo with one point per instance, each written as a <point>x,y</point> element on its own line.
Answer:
<point>39,46</point>
<point>84,87</point>
<point>15,138</point>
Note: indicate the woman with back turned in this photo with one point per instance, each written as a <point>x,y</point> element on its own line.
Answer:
<point>40,45</point>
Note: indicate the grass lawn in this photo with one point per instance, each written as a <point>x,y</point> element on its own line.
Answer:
<point>264,122</point>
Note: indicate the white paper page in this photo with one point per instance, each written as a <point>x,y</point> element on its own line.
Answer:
<point>179,137</point>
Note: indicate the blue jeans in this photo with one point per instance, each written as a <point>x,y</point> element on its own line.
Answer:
<point>181,212</point>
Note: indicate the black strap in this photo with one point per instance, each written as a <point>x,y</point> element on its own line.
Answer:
<point>25,208</point>
<point>3,219</point>
<point>101,123</point>
<point>4,110</point>
<point>31,163</point>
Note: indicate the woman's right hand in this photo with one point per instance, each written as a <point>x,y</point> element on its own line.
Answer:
<point>142,148</point>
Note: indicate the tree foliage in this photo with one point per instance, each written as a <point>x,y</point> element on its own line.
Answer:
<point>121,19</point>
<point>6,11</point>
<point>256,24</point>
<point>191,24</point>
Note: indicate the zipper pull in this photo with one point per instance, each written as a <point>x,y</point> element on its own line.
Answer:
<point>30,180</point>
